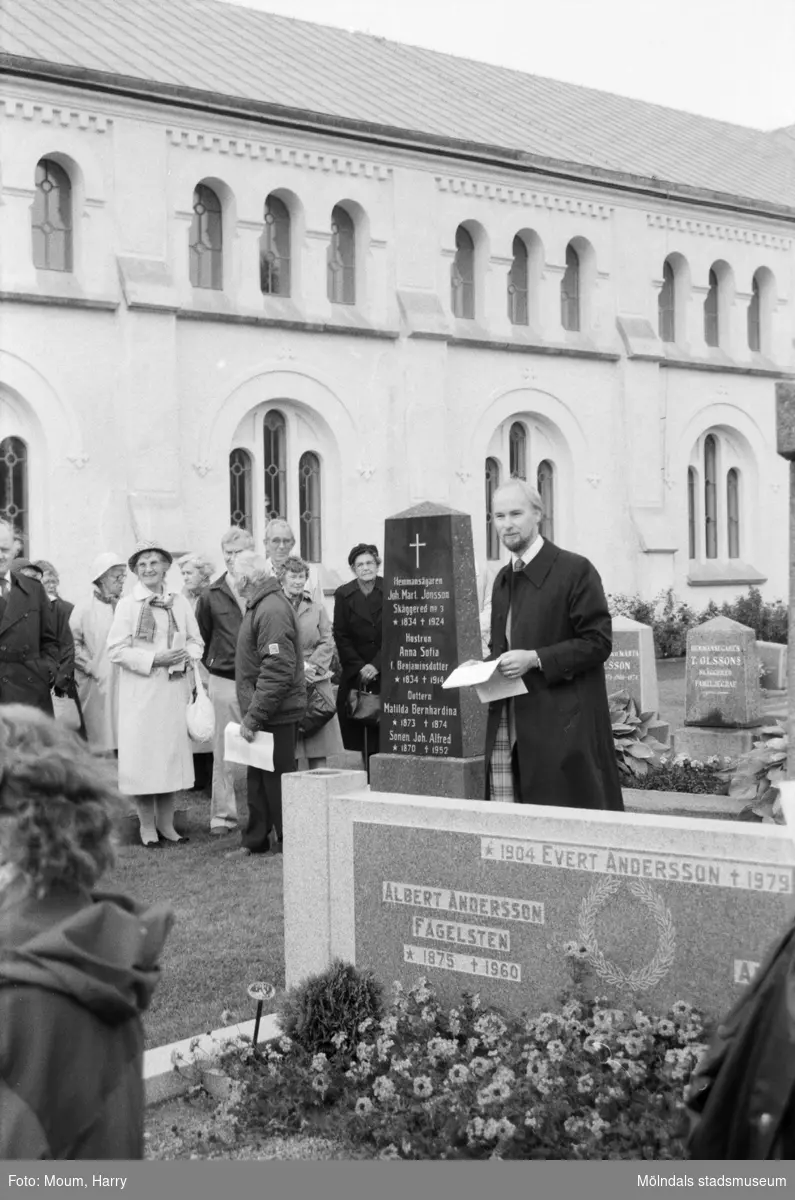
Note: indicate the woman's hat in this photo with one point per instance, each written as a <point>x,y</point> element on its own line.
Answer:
<point>105,562</point>
<point>144,548</point>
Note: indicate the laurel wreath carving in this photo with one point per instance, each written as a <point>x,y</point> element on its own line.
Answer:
<point>643,978</point>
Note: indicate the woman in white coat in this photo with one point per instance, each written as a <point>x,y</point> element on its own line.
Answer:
<point>153,638</point>
<point>96,676</point>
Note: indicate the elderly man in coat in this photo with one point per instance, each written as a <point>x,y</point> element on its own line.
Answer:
<point>29,646</point>
<point>550,628</point>
<point>271,692</point>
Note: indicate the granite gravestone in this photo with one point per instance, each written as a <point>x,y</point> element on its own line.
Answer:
<point>773,660</point>
<point>517,919</point>
<point>722,676</point>
<point>431,741</point>
<point>632,666</point>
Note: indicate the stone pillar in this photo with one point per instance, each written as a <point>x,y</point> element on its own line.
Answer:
<point>307,868</point>
<point>431,740</point>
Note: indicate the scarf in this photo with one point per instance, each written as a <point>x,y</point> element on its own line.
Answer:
<point>146,619</point>
<point>103,599</point>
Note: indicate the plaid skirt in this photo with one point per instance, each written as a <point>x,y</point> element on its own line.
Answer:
<point>502,782</point>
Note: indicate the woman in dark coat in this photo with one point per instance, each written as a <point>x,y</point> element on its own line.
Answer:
<point>357,632</point>
<point>77,968</point>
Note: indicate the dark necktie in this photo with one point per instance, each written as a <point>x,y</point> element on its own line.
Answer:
<point>519,564</point>
<point>4,586</point>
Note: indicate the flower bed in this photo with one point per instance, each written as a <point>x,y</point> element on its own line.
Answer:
<point>420,1082</point>
<point>678,773</point>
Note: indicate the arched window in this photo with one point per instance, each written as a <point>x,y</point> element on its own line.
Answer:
<point>733,512</point>
<point>274,249</point>
<point>710,496</point>
<point>275,464</point>
<point>691,513</point>
<point>462,276</point>
<point>570,291</point>
<point>755,318</point>
<point>492,483</point>
<point>206,241</point>
<point>517,445</point>
<point>51,218</point>
<point>14,484</point>
<point>666,305</point>
<point>240,513</point>
<point>518,284</point>
<point>711,321</point>
<point>309,501</point>
<point>341,285</point>
<point>545,483</point>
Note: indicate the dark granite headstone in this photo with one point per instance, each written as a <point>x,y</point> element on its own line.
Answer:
<point>722,676</point>
<point>431,740</point>
<point>510,917</point>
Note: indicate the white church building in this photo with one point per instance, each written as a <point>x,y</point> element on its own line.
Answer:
<point>251,265</point>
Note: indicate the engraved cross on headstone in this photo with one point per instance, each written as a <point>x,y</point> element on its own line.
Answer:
<point>416,545</point>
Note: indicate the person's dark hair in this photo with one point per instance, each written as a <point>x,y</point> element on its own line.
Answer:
<point>57,803</point>
<point>295,566</point>
<point>363,548</point>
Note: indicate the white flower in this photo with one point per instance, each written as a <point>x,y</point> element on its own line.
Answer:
<point>543,1086</point>
<point>556,1050</point>
<point>531,1120</point>
<point>363,1107</point>
<point>389,1152</point>
<point>537,1068</point>
<point>458,1073</point>
<point>286,1044</point>
<point>339,1039</point>
<point>423,1087</point>
<point>681,1008</point>
<point>384,1045</point>
<point>319,1062</point>
<point>479,1067</point>
<point>383,1088</point>
<point>389,1025</point>
<point>642,1022</point>
<point>363,1026</point>
<point>666,1028</point>
<point>320,1083</point>
<point>364,1052</point>
<point>475,1129</point>
<point>585,1084</point>
<point>439,1047</point>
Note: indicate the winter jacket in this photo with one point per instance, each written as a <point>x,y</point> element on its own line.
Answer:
<point>219,618</point>
<point>269,665</point>
<point>76,972</point>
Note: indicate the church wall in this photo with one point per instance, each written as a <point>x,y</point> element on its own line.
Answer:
<point>153,382</point>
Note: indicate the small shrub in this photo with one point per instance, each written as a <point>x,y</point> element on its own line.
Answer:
<point>671,623</point>
<point>621,605</point>
<point>683,774</point>
<point>636,749</point>
<point>755,775</point>
<point>333,1002</point>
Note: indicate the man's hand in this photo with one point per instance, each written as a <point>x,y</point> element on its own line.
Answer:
<point>246,733</point>
<point>514,663</point>
<point>367,673</point>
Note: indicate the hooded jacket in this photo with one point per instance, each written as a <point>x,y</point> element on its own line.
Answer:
<point>76,973</point>
<point>269,663</point>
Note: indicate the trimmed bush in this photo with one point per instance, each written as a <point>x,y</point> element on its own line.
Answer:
<point>333,1002</point>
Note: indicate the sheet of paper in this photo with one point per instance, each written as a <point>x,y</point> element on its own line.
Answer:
<point>470,673</point>
<point>178,643</point>
<point>499,688</point>
<point>258,753</point>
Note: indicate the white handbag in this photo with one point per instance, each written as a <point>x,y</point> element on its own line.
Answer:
<point>200,713</point>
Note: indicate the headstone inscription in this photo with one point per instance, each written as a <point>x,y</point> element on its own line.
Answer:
<point>516,917</point>
<point>632,666</point>
<point>722,676</point>
<point>431,741</point>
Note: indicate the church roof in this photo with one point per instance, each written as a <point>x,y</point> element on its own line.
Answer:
<point>244,54</point>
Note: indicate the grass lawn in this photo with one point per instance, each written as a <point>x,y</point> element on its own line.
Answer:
<point>671,685</point>
<point>228,931</point>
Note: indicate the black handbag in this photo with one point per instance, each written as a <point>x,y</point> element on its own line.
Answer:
<point>364,706</point>
<point>320,708</point>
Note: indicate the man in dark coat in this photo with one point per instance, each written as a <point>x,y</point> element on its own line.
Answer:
<point>29,646</point>
<point>271,692</point>
<point>550,627</point>
<point>219,615</point>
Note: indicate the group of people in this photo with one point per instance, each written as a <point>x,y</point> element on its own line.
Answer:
<point>258,636</point>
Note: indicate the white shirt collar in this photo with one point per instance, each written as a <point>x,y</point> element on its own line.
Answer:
<point>530,552</point>
<point>140,592</point>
